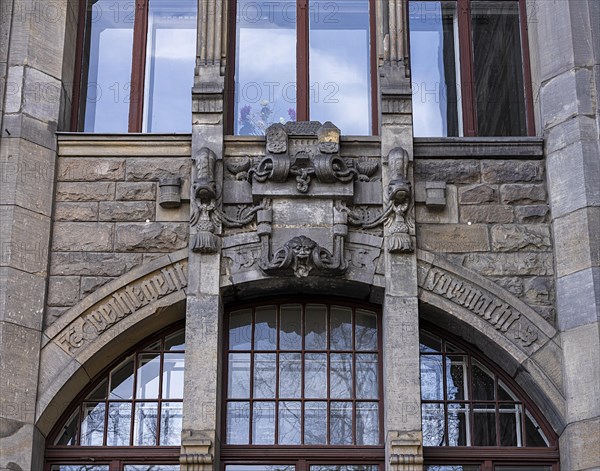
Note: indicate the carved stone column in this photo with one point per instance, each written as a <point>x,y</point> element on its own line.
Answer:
<point>403,437</point>
<point>200,436</point>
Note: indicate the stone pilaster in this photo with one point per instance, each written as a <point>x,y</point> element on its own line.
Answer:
<point>567,39</point>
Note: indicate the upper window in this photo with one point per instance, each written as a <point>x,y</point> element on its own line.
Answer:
<point>469,66</point>
<point>303,60</point>
<point>136,66</point>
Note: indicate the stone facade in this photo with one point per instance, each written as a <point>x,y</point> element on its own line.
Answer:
<point>105,239</point>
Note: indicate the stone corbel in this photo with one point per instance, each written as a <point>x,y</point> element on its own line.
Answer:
<point>196,455</point>
<point>204,203</point>
<point>400,226</point>
<point>405,451</point>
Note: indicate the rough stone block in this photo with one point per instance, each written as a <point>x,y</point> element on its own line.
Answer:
<point>532,214</point>
<point>41,95</point>
<point>565,96</point>
<point>578,298</point>
<point>538,290</point>
<point>547,312</point>
<point>89,284</point>
<point>76,212</point>
<point>52,314</point>
<point>151,237</point>
<point>152,169</point>
<point>83,236</point>
<point>510,264</point>
<point>492,213</point>
<point>524,193</point>
<point>93,263</point>
<point>449,171</point>
<point>21,297</point>
<point>579,446</point>
<point>512,284</point>
<point>441,238</point>
<point>88,191</point>
<point>63,290</point>
<point>180,214</point>
<point>478,194</point>
<point>577,241</point>
<point>523,237</point>
<point>136,191</point>
<point>512,171</point>
<point>90,169</point>
<point>447,215</point>
<point>126,211</point>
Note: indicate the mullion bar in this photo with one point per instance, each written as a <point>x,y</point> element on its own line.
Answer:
<point>353,375</point>
<point>136,97</point>
<point>302,369</point>
<point>466,68</point>
<point>160,390</point>
<point>277,345</point>
<point>251,385</point>
<point>302,60</point>
<point>527,83</point>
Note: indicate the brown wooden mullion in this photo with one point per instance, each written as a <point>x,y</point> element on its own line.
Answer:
<point>527,83</point>
<point>302,61</point>
<point>136,97</point>
<point>466,68</point>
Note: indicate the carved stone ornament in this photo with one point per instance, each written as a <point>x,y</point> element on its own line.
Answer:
<point>196,455</point>
<point>203,203</point>
<point>406,451</point>
<point>399,194</point>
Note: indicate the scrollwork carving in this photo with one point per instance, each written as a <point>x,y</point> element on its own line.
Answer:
<point>400,224</point>
<point>203,203</point>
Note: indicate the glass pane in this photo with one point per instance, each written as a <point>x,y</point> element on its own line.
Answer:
<point>289,422</point>
<point>148,376</point>
<point>265,330</point>
<point>173,368</point>
<point>341,328</point>
<point>238,374</point>
<point>341,376</point>
<point>340,65</point>
<point>340,423</point>
<point>366,330</point>
<point>238,423</point>
<point>367,385</point>
<point>145,426</point>
<point>316,327</point>
<point>107,86</point>
<point>483,382</point>
<point>429,343</point>
<point>498,68</point>
<point>151,467</point>
<point>290,375</point>
<point>263,423</point>
<point>345,467</point>
<point>533,432</point>
<point>315,423</point>
<point>432,416</point>
<point>265,375</point>
<point>265,83</point>
<point>504,392</point>
<point>456,377</point>
<point>119,424</point>
<point>432,377</point>
<point>175,341</point>
<point>259,467</point>
<point>98,393</point>
<point>454,467</point>
<point>92,425</point>
<point>240,330</point>
<point>170,60</point>
<point>523,468</point>
<point>367,423</point>
<point>484,425</point>
<point>121,381</point>
<point>171,421</point>
<point>68,434</point>
<point>291,327</point>
<point>459,427</point>
<point>435,69</point>
<point>315,375</point>
<point>79,467</point>
<point>510,425</point>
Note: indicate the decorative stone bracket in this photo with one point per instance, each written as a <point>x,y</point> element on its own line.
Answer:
<point>196,455</point>
<point>405,451</point>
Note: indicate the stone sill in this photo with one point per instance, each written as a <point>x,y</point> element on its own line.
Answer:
<point>131,144</point>
<point>479,148</point>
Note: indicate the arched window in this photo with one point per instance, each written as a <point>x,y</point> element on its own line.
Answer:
<point>130,418</point>
<point>475,418</point>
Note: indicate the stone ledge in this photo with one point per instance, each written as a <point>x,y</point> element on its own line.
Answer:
<point>131,145</point>
<point>525,148</point>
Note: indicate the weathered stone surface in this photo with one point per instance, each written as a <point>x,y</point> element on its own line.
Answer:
<point>539,290</point>
<point>76,212</point>
<point>579,446</point>
<point>577,237</point>
<point>447,215</point>
<point>532,214</point>
<point>135,191</point>
<point>21,297</point>
<point>90,169</point>
<point>506,264</point>
<point>578,298</point>
<point>547,312</point>
<point>511,171</point>
<point>442,238</point>
<point>93,263</point>
<point>63,290</point>
<point>486,214</point>
<point>513,237</point>
<point>126,210</point>
<point>566,96</point>
<point>88,191</point>
<point>153,169</point>
<point>53,313</point>
<point>523,193</point>
<point>89,284</point>
<point>153,237</point>
<point>512,284</point>
<point>83,236</point>
<point>449,171</point>
<point>478,194</point>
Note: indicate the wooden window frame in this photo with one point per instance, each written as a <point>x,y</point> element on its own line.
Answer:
<point>302,64</point>
<point>302,456</point>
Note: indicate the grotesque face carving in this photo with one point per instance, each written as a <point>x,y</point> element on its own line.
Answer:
<point>302,248</point>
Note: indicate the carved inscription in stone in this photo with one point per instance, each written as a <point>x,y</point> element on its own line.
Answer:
<point>124,302</point>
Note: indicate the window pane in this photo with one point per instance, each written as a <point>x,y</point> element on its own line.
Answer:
<point>119,424</point>
<point>238,423</point>
<point>367,423</point>
<point>341,328</point>
<point>533,433</point>
<point>367,384</point>
<point>173,368</point>
<point>148,376</point>
<point>366,330</point>
<point>456,377</point>
<point>92,425</point>
<point>151,467</point>
<point>341,423</point>
<point>259,467</point>
<point>315,423</point>
<point>265,330</point>
<point>498,68</point>
<point>240,330</point>
<point>459,427</point>
<point>315,375</point>
<point>523,468</point>
<point>510,425</point>
<point>290,375</point>
<point>263,423</point>
<point>171,420</point>
<point>454,467</point>
<point>289,423</point>
<point>146,424</point>
<point>429,343</point>
<point>265,65</point>
<point>433,424</point>
<point>106,88</point>
<point>68,434</point>
<point>79,467</point>
<point>175,341</point>
<point>98,393</point>
<point>265,375</point>
<point>432,377</point>
<point>483,382</point>
<point>290,327</point>
<point>316,327</point>
<point>238,373</point>
<point>484,425</point>
<point>341,375</point>
<point>346,467</point>
<point>434,68</point>
<point>340,66</point>
<point>170,59</point>
<point>121,381</point>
